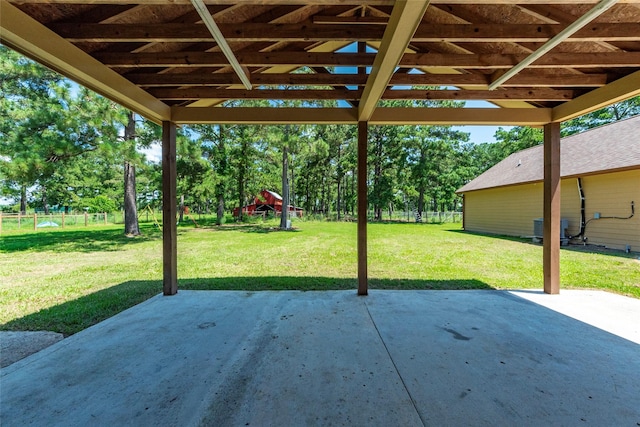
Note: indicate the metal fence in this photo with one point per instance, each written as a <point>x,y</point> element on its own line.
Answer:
<point>37,221</point>
<point>396,216</point>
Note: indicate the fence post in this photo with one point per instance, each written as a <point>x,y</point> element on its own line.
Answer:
<point>62,221</point>
<point>86,219</point>
<point>19,221</point>
<point>35,221</point>
<point>105,218</point>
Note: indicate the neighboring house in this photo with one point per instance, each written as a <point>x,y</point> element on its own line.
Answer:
<point>602,164</point>
<point>267,201</point>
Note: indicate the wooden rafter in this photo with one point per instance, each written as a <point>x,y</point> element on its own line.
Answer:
<point>487,61</point>
<point>328,2</point>
<point>479,81</point>
<point>161,54</point>
<point>404,20</point>
<point>538,94</point>
<point>624,88</point>
<point>27,36</point>
<point>381,116</point>
<point>255,32</point>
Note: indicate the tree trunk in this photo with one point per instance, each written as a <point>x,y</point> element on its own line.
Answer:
<point>285,189</point>
<point>338,207</point>
<point>45,204</point>
<point>353,192</point>
<point>323,206</point>
<point>220,211</point>
<point>23,199</point>
<point>338,181</point>
<point>309,195</point>
<point>242,169</point>
<point>292,192</point>
<point>131,227</point>
<point>420,204</point>
<point>181,210</point>
<point>223,173</point>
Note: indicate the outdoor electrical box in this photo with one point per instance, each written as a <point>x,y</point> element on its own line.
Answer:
<point>596,215</point>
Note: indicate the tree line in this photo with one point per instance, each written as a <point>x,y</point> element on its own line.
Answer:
<point>64,147</point>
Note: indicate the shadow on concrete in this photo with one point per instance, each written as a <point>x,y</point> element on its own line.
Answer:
<point>76,240</point>
<point>73,316</point>
<point>593,249</point>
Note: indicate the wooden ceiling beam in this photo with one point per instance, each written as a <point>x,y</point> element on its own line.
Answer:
<point>225,94</point>
<point>322,59</point>
<point>619,90</point>
<point>382,116</point>
<point>462,116</point>
<point>405,18</point>
<point>27,36</point>
<point>538,94</point>
<point>322,2</point>
<point>243,115</point>
<point>477,81</point>
<point>305,32</point>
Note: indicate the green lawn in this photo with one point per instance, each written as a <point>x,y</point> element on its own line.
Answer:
<point>67,280</point>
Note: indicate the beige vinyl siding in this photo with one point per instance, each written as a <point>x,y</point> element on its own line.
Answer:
<point>570,204</point>
<point>506,210</point>
<point>511,210</point>
<point>611,195</point>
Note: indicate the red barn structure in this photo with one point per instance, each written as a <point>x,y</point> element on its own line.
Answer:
<point>267,201</point>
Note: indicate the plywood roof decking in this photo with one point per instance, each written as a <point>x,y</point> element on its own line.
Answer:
<point>153,55</point>
<point>609,148</point>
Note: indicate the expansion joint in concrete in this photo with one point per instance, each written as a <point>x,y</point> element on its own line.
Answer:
<point>413,402</point>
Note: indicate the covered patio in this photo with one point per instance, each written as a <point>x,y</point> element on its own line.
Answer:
<point>395,358</point>
<point>334,358</point>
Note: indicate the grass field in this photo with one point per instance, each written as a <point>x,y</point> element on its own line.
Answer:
<point>67,280</point>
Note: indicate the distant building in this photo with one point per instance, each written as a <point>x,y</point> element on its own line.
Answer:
<point>267,201</point>
<point>600,167</point>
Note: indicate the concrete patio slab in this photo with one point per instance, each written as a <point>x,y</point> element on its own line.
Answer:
<point>332,358</point>
<point>16,345</point>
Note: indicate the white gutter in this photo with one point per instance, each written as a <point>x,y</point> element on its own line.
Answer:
<point>211,25</point>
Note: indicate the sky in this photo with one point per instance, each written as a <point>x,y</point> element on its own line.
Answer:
<point>480,134</point>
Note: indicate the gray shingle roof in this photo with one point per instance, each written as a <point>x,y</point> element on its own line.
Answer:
<point>608,148</point>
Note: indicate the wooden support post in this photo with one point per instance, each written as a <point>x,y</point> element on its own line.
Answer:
<point>362,208</point>
<point>62,221</point>
<point>551,233</point>
<point>86,219</point>
<point>169,210</point>
<point>35,221</point>
<point>105,218</point>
